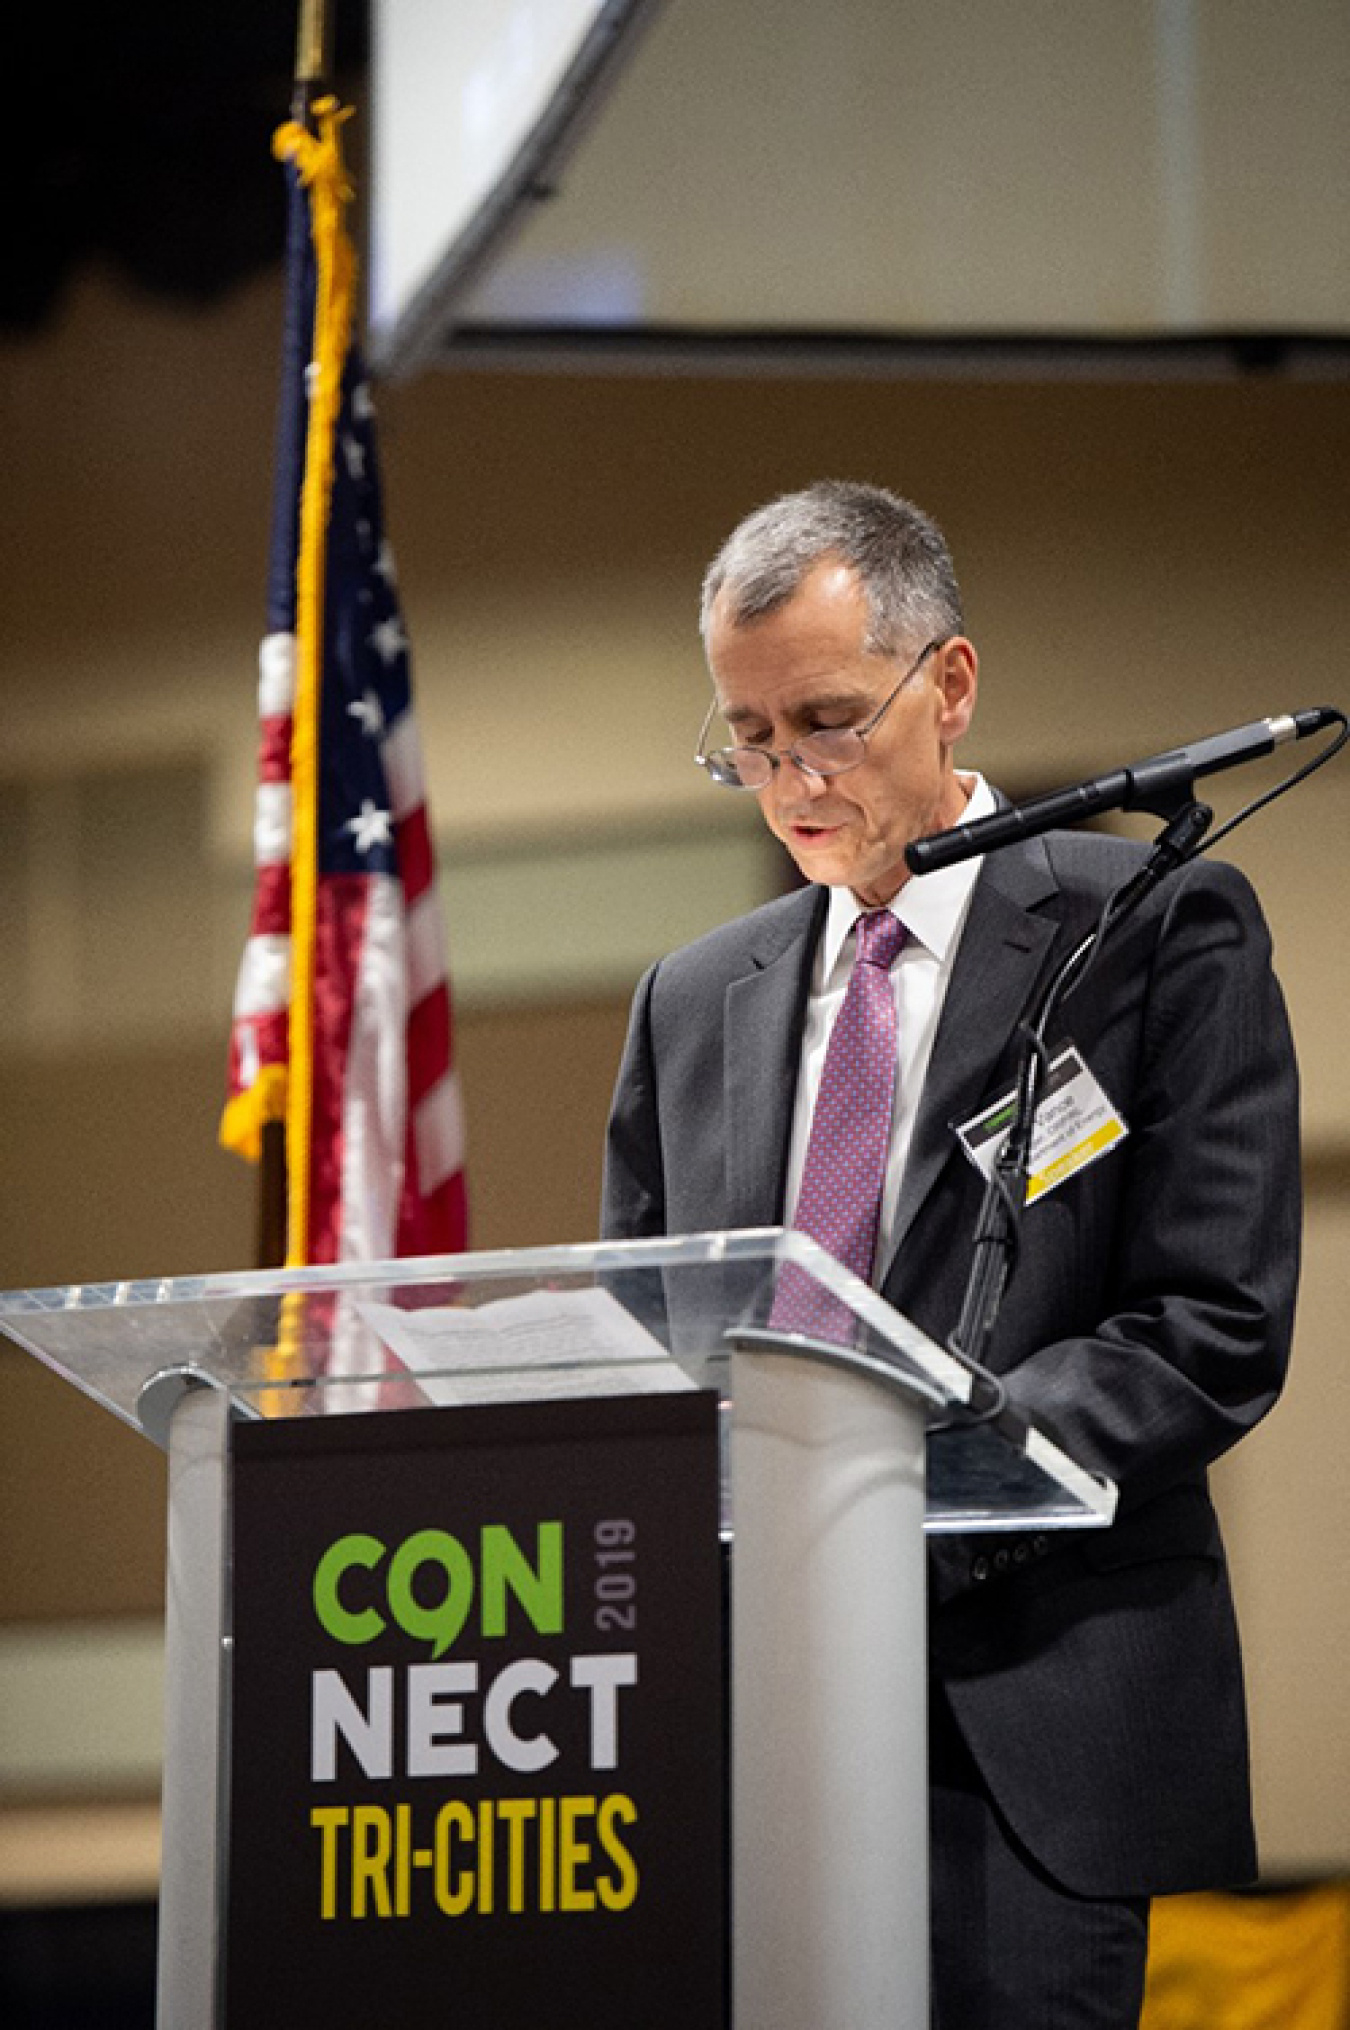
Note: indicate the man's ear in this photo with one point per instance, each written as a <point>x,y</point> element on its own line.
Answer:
<point>958,679</point>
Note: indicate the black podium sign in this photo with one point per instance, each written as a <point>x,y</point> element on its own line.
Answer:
<point>477,1755</point>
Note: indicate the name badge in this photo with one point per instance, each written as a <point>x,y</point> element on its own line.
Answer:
<point>1075,1124</point>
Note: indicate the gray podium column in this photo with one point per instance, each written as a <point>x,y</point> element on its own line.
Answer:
<point>194,1420</point>
<point>829,1700</point>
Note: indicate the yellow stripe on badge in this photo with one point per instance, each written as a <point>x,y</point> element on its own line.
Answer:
<point>1103,1138</point>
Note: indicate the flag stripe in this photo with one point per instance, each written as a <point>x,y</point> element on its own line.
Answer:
<point>415,854</point>
<point>276,675</point>
<point>426,945</point>
<point>374,1085</point>
<point>403,767</point>
<point>440,1133</point>
<point>263,985</point>
<point>272,827</point>
<point>428,1043</point>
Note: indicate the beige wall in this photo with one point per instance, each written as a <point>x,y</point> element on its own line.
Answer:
<point>1142,563</point>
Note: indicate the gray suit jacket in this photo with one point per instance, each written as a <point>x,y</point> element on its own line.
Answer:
<point>1096,1678</point>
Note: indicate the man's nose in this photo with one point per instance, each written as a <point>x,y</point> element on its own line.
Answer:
<point>792,783</point>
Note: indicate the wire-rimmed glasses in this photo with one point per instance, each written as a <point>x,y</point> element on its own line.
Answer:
<point>830,750</point>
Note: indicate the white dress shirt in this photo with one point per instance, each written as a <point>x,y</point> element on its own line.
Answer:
<point>933,910</point>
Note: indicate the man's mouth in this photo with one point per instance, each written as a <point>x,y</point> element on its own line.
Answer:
<point>800,829</point>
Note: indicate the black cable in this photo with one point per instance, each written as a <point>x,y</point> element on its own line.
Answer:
<point>1090,947</point>
<point>1300,775</point>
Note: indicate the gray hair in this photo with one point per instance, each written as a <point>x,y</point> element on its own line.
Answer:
<point>899,553</point>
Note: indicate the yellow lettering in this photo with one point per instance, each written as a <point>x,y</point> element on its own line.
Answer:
<point>515,1811</point>
<point>371,1840</point>
<point>329,1819</point>
<point>402,1859</point>
<point>574,1853</point>
<point>548,1852</point>
<point>456,1817</point>
<point>485,1856</point>
<point>524,1854</point>
<point>617,1894</point>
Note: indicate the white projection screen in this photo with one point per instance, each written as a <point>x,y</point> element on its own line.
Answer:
<point>853,178</point>
<point>473,99</point>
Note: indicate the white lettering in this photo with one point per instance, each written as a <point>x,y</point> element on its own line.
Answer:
<point>517,1751</point>
<point>602,1676</point>
<point>369,1735</point>
<point>434,1715</point>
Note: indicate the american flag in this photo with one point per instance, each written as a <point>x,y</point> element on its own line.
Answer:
<point>342,1018</point>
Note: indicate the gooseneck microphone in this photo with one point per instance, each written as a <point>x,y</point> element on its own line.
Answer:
<point>1151,785</point>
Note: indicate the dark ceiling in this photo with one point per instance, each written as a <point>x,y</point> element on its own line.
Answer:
<point>140,136</point>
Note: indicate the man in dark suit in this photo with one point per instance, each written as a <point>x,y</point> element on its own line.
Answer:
<point>1087,1729</point>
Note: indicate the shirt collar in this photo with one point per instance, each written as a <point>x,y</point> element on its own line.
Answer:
<point>932,909</point>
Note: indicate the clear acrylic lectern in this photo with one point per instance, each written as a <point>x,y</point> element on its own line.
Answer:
<point>838,1451</point>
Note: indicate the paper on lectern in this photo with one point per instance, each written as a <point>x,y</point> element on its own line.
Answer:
<point>547,1342</point>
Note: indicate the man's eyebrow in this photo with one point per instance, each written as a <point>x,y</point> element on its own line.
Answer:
<point>805,708</point>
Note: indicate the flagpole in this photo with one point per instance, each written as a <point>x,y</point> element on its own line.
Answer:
<point>313,55</point>
<point>270,1250</point>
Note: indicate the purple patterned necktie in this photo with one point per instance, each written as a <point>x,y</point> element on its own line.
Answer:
<point>840,1198</point>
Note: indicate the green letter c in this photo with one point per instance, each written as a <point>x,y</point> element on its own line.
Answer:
<point>341,1624</point>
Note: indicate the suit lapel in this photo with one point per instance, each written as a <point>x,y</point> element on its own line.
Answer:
<point>1013,920</point>
<point>764,1014</point>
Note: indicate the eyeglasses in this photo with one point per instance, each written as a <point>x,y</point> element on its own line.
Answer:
<point>833,750</point>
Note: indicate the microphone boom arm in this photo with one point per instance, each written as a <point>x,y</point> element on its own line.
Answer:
<point>1159,784</point>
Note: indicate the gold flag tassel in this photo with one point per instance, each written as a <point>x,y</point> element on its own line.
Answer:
<point>316,154</point>
<point>317,157</point>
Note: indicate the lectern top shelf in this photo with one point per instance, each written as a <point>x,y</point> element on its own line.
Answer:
<point>615,1318</point>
